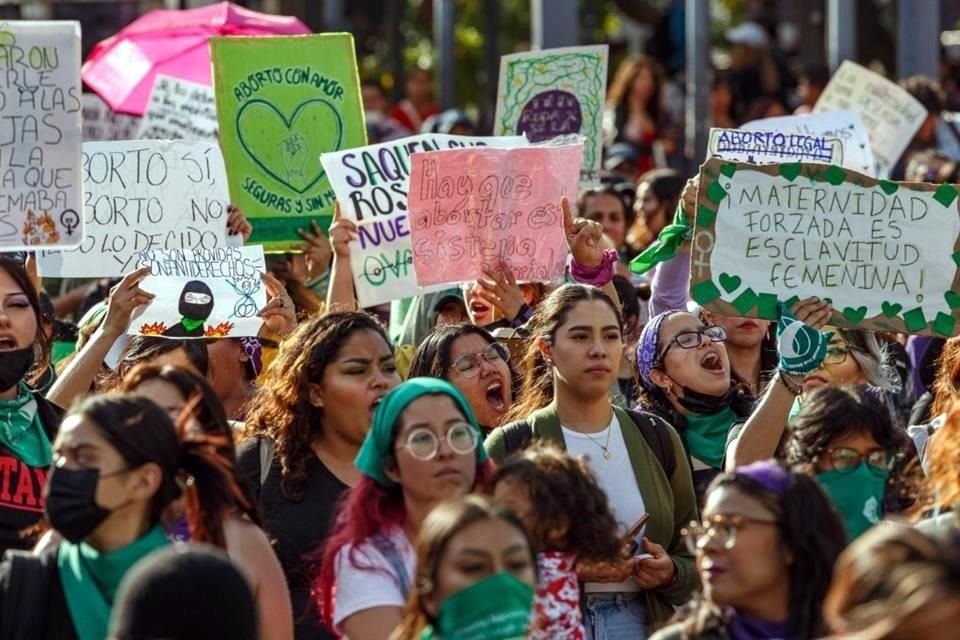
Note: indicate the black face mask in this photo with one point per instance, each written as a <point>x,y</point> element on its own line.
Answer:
<point>705,403</point>
<point>72,507</point>
<point>14,365</point>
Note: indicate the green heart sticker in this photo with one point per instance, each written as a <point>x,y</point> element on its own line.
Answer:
<point>729,283</point>
<point>952,299</point>
<point>716,193</point>
<point>854,315</point>
<point>945,195</point>
<point>280,145</point>
<point>956,258</point>
<point>704,292</point>
<point>835,175</point>
<point>728,169</point>
<point>745,301</point>
<point>944,324</point>
<point>705,216</point>
<point>891,309</point>
<point>915,320</point>
<point>791,171</point>
<point>889,187</point>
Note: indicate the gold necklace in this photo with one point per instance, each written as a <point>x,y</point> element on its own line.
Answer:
<point>604,447</point>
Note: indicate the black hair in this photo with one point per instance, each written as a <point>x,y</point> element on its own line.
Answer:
<point>610,189</point>
<point>629,297</point>
<point>41,344</point>
<point>142,349</point>
<point>926,91</point>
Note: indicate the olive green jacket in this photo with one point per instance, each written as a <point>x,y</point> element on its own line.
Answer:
<point>669,501</point>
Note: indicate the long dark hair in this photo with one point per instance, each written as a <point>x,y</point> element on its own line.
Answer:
<point>537,389</point>
<point>142,432</point>
<point>41,344</point>
<point>281,409</point>
<point>622,85</point>
<point>810,531</point>
<point>143,349</point>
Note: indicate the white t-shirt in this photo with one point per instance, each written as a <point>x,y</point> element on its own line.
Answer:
<point>363,588</point>
<point>615,476</point>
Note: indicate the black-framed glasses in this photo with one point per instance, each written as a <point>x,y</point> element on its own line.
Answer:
<point>693,339</point>
<point>846,460</point>
<point>423,444</point>
<point>722,528</point>
<point>469,365</point>
<point>838,354</point>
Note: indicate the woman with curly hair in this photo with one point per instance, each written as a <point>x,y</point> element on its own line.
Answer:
<point>310,415</point>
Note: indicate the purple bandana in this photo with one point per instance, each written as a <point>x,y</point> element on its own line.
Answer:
<point>647,348</point>
<point>769,474</point>
<point>254,351</point>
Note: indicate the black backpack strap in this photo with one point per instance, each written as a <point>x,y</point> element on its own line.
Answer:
<point>654,432</point>
<point>516,436</point>
<point>25,589</point>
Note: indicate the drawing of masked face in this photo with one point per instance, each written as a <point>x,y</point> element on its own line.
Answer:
<point>196,301</point>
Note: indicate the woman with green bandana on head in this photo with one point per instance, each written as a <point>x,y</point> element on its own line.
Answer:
<point>844,438</point>
<point>119,462</point>
<point>423,448</point>
<point>476,575</point>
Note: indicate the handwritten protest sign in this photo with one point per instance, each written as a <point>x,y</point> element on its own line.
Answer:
<point>892,115</point>
<point>144,195</point>
<point>179,110</point>
<point>545,94</point>
<point>102,123</point>
<point>371,184</point>
<point>885,254</point>
<point>281,102</point>
<point>472,208</point>
<point>843,130</point>
<point>207,293</point>
<point>770,146</point>
<point>40,132</point>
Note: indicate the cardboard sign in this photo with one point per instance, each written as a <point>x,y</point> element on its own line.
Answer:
<point>885,254</point>
<point>836,137</point>
<point>555,92</point>
<point>213,293</point>
<point>144,195</point>
<point>40,130</point>
<point>371,184</point>
<point>179,110</point>
<point>472,208</point>
<point>281,102</point>
<point>100,123</point>
<point>892,115</point>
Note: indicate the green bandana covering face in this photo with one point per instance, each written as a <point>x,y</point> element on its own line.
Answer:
<point>21,431</point>
<point>496,608</point>
<point>90,579</point>
<point>857,495</point>
<point>667,244</point>
<point>190,324</point>
<point>706,436</point>
<point>377,444</point>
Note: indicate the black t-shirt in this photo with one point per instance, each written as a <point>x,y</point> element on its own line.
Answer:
<point>36,595</point>
<point>297,528</point>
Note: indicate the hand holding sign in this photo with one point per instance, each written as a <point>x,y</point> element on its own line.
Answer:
<point>502,291</point>
<point>237,223</point>
<point>317,251</point>
<point>124,300</point>
<point>584,237</point>
<point>802,346</point>
<point>342,233</point>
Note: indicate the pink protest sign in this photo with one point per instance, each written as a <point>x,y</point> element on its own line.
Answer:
<point>471,208</point>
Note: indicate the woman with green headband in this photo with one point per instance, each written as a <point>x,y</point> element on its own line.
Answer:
<point>423,447</point>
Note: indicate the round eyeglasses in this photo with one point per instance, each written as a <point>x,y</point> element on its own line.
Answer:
<point>693,339</point>
<point>846,460</point>
<point>721,528</point>
<point>469,365</point>
<point>423,444</point>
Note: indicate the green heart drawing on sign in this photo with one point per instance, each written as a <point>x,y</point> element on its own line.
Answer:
<point>854,315</point>
<point>891,309</point>
<point>729,283</point>
<point>281,146</point>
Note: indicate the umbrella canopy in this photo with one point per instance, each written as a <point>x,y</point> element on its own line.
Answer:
<point>122,68</point>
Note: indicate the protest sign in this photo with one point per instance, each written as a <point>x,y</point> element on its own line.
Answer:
<point>555,92</point>
<point>40,132</point>
<point>891,115</point>
<point>101,123</point>
<point>829,138</point>
<point>471,208</point>
<point>371,185</point>
<point>142,195</point>
<point>281,102</point>
<point>885,254</point>
<point>207,293</point>
<point>179,110</point>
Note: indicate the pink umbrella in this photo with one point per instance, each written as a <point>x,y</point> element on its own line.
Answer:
<point>175,43</point>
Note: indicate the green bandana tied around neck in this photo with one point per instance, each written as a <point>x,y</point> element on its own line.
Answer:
<point>857,495</point>
<point>190,324</point>
<point>706,436</point>
<point>802,348</point>
<point>378,442</point>
<point>90,579</point>
<point>496,608</point>
<point>21,431</point>
<point>666,245</point>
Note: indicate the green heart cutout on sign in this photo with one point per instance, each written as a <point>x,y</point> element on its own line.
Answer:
<point>280,145</point>
<point>889,187</point>
<point>729,283</point>
<point>952,299</point>
<point>791,171</point>
<point>728,169</point>
<point>891,309</point>
<point>854,315</point>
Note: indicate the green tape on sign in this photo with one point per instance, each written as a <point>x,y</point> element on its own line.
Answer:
<point>791,171</point>
<point>704,292</point>
<point>716,193</point>
<point>888,187</point>
<point>792,301</point>
<point>945,195</point>
<point>944,324</point>
<point>728,169</point>
<point>767,306</point>
<point>835,175</point>
<point>956,258</point>
<point>705,216</point>
<point>952,299</point>
<point>914,319</point>
<point>745,301</point>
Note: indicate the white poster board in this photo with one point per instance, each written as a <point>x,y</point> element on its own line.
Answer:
<point>40,135</point>
<point>371,185</point>
<point>891,115</point>
<point>179,110</point>
<point>101,123</point>
<point>144,195</point>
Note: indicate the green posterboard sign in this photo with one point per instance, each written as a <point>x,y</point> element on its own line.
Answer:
<point>282,102</point>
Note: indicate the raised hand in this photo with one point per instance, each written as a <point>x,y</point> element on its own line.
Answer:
<point>125,298</point>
